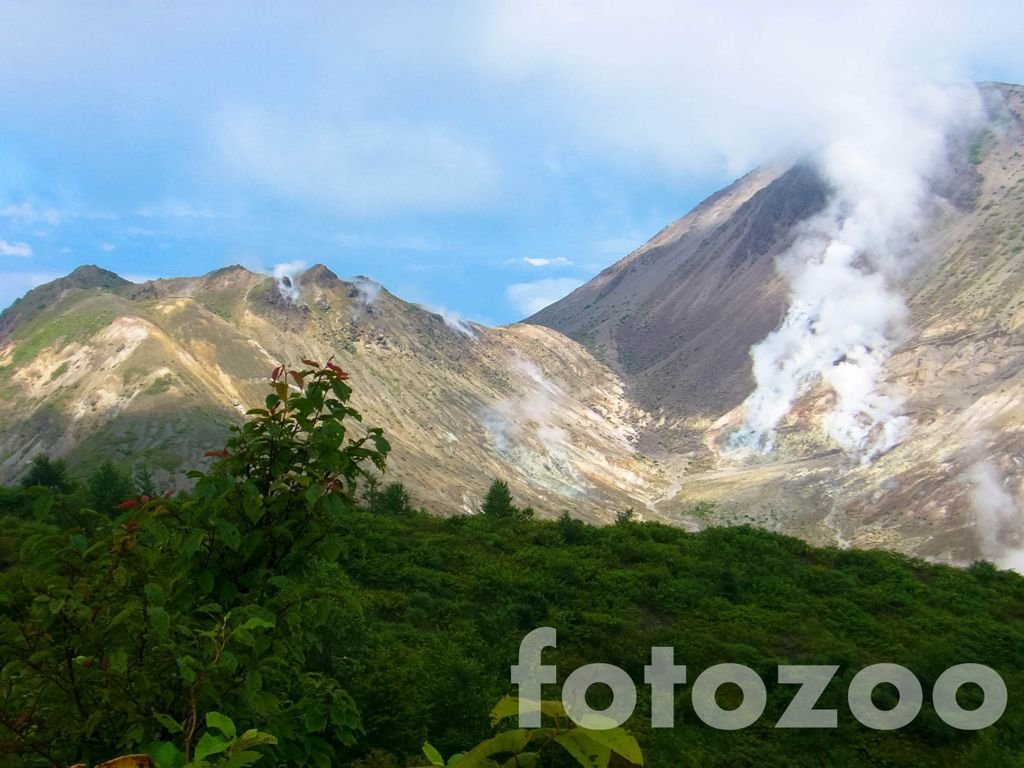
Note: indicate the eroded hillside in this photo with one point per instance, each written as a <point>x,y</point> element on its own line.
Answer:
<point>94,366</point>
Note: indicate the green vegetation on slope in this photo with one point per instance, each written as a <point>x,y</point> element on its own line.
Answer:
<point>380,631</point>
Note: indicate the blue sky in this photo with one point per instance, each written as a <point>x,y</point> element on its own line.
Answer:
<point>479,157</point>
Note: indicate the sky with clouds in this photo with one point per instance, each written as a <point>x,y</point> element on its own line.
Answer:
<point>482,157</point>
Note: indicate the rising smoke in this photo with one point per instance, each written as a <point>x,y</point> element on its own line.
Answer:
<point>368,290</point>
<point>998,522</point>
<point>286,274</point>
<point>533,413</point>
<point>845,312</point>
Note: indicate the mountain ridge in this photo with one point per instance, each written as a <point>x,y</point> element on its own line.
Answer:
<point>160,370</point>
<point>623,394</point>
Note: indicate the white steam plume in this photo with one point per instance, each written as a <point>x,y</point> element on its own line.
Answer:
<point>513,419</point>
<point>285,274</point>
<point>998,522</point>
<point>456,321</point>
<point>367,290</point>
<point>452,319</point>
<point>845,314</point>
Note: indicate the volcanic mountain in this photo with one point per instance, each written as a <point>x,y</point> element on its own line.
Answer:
<point>677,319</point>
<point>622,394</point>
<point>94,366</point>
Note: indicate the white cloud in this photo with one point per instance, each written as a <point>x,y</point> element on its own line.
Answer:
<point>355,166</point>
<point>719,88</point>
<point>20,250</point>
<point>108,247</point>
<point>558,261</point>
<point>27,213</point>
<point>530,298</point>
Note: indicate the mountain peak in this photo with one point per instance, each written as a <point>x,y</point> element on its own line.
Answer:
<point>89,276</point>
<point>83,278</point>
<point>229,270</point>
<point>320,275</point>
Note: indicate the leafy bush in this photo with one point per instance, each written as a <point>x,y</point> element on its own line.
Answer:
<point>116,634</point>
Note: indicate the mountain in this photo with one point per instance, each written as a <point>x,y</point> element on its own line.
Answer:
<point>93,366</point>
<point>677,319</point>
<point>626,393</point>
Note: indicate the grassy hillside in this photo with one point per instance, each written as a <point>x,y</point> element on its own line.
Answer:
<point>433,612</point>
<point>444,605</point>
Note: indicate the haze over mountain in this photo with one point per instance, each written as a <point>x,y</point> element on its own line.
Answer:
<point>635,390</point>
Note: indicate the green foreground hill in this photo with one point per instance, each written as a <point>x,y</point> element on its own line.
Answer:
<point>428,614</point>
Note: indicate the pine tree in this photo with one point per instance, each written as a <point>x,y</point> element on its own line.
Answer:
<point>49,473</point>
<point>144,482</point>
<point>108,486</point>
<point>498,501</point>
<point>394,500</point>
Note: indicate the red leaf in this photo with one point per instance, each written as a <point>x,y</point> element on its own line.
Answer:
<point>276,374</point>
<point>297,376</point>
<point>311,363</point>
<point>128,504</point>
<point>168,494</point>
<point>337,369</point>
<point>221,454</point>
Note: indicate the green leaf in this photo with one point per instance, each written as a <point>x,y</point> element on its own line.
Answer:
<point>507,742</point>
<point>331,548</point>
<point>254,738</point>
<point>433,755</point>
<point>585,751</point>
<point>192,542</point>
<point>209,744</point>
<point>222,723</point>
<point>168,722</point>
<point>315,721</point>
<point>188,667</point>
<point>618,741</point>
<point>240,759</point>
<point>160,621</point>
<point>228,533</point>
<point>257,622</point>
<point>165,755</point>
<point>252,505</point>
<point>155,594</point>
<point>253,681</point>
<point>508,707</point>
<point>119,660</point>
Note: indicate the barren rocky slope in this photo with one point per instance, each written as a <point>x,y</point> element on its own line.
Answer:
<point>94,366</point>
<point>678,317</point>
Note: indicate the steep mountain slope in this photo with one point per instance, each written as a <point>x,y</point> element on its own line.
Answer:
<point>677,319</point>
<point>94,366</point>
